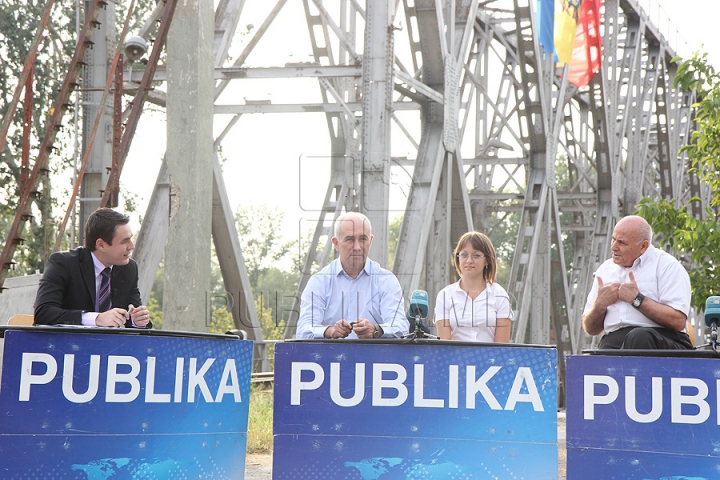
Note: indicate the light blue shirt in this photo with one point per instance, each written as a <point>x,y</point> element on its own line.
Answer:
<point>331,295</point>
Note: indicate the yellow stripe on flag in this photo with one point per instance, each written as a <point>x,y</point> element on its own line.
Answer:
<point>566,15</point>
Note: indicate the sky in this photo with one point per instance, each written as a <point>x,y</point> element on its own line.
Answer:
<point>280,160</point>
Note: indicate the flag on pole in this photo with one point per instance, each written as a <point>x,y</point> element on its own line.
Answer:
<point>570,31</point>
<point>587,50</point>
<point>566,21</point>
<point>546,24</point>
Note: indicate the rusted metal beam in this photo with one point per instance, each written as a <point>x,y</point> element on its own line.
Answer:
<point>139,100</point>
<point>26,73</point>
<point>29,190</point>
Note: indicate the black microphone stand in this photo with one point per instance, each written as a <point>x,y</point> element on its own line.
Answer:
<point>713,337</point>
<point>421,329</point>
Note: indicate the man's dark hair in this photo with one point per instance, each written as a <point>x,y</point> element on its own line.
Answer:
<point>101,224</point>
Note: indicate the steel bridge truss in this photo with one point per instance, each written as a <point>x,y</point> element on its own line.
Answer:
<point>498,131</point>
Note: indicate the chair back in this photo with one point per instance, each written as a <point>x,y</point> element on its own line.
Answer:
<point>22,319</point>
<point>691,332</point>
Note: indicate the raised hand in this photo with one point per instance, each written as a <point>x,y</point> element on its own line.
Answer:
<point>629,290</point>
<point>607,294</point>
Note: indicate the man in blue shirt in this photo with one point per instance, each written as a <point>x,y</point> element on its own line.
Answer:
<point>352,297</point>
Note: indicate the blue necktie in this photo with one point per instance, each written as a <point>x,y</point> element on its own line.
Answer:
<point>103,298</point>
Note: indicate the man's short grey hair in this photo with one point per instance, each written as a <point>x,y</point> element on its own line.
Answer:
<point>347,216</point>
<point>645,233</point>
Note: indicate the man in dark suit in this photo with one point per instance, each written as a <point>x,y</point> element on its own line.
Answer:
<point>94,285</point>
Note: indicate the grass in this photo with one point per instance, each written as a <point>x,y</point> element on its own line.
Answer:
<point>260,420</point>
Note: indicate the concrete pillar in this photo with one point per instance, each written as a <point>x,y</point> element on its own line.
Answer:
<point>189,159</point>
<point>97,59</point>
<point>377,113</point>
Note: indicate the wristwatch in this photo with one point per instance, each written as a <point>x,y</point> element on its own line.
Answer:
<point>638,300</point>
<point>376,333</point>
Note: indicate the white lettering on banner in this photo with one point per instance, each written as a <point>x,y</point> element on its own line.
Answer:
<point>397,384</point>
<point>335,386</point>
<point>420,400</point>
<point>698,400</point>
<point>69,374</point>
<point>26,376</point>
<point>480,386</point>
<point>296,383</point>
<point>150,395</point>
<point>179,369</point>
<point>524,377</point>
<point>233,387</point>
<point>591,399</point>
<point>657,401</point>
<point>196,378</point>
<point>388,387</point>
<point>454,394</point>
<point>113,378</point>
<point>690,393</point>
<point>125,380</point>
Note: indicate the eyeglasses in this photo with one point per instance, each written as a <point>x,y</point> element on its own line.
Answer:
<point>475,256</point>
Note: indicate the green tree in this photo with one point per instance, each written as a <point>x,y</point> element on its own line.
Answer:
<point>272,267</point>
<point>393,236</point>
<point>19,23</point>
<point>261,239</point>
<point>695,239</point>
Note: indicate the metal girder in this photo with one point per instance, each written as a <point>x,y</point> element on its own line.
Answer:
<point>438,206</point>
<point>40,168</point>
<point>154,231</point>
<point>567,161</point>
<point>330,108</point>
<point>377,90</point>
<point>341,194</point>
<point>150,243</point>
<point>238,291</point>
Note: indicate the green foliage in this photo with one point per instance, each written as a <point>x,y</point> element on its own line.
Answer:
<point>261,239</point>
<point>393,235</point>
<point>696,239</point>
<point>222,321</point>
<point>704,146</point>
<point>260,420</point>
<point>155,310</point>
<point>503,234</point>
<point>19,21</point>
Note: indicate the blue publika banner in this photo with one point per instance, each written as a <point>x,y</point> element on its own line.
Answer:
<point>643,418</point>
<point>111,406</point>
<point>397,411</point>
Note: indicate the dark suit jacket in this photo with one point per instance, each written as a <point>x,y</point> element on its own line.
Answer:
<point>67,288</point>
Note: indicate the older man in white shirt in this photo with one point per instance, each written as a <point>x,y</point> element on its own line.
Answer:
<point>641,296</point>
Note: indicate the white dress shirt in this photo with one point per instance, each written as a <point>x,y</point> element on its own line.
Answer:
<point>659,276</point>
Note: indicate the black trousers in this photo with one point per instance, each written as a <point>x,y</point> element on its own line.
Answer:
<point>646,338</point>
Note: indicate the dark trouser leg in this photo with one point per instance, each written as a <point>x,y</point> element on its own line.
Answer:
<point>614,340</point>
<point>657,338</point>
<point>645,338</point>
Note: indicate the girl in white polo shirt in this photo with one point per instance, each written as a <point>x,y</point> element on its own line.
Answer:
<point>475,309</point>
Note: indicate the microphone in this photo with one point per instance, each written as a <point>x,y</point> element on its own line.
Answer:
<point>419,304</point>
<point>418,310</point>
<point>712,318</point>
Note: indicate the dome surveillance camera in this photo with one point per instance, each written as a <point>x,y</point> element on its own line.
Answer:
<point>135,48</point>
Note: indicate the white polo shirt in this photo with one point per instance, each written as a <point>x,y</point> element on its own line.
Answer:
<point>472,320</point>
<point>659,276</point>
